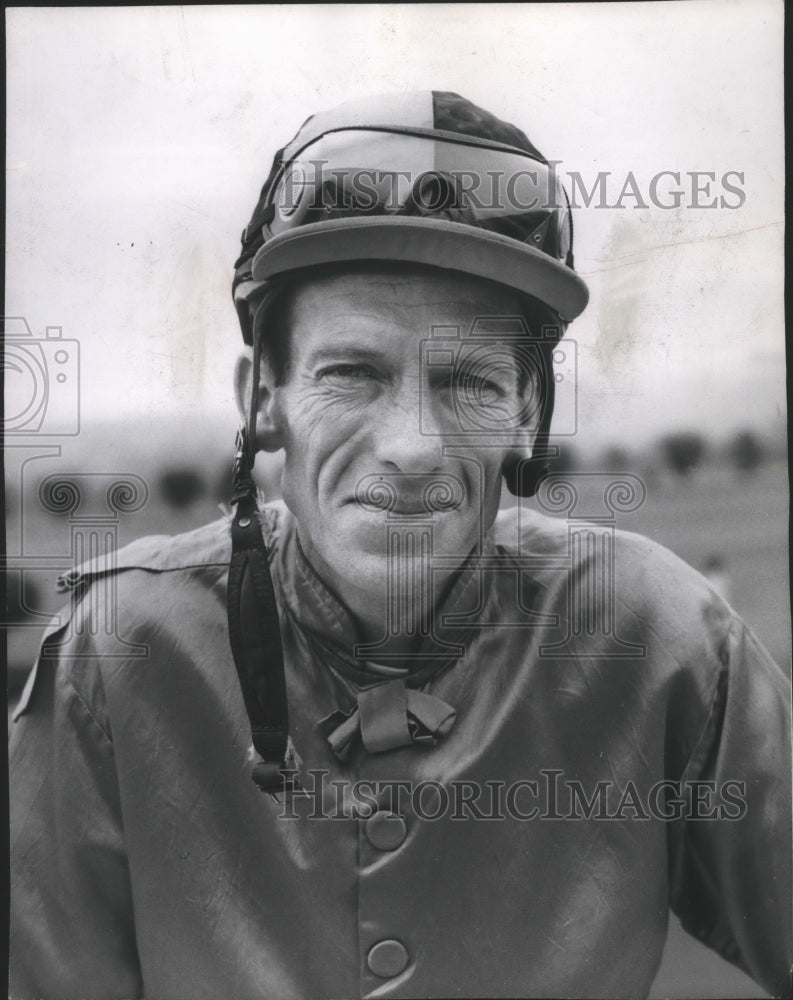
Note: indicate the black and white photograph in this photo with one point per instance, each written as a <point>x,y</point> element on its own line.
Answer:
<point>396,502</point>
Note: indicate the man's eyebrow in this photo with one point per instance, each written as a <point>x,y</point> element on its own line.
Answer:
<point>333,353</point>
<point>470,365</point>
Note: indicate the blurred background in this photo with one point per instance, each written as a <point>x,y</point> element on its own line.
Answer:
<point>138,140</point>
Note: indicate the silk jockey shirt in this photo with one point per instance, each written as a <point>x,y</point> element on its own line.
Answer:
<point>146,862</point>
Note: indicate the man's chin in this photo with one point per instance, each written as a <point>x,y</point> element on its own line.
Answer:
<point>364,557</point>
<point>374,535</point>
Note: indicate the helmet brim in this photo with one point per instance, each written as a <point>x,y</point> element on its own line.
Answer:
<point>438,243</point>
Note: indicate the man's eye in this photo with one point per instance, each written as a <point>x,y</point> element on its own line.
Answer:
<point>348,372</point>
<point>469,384</point>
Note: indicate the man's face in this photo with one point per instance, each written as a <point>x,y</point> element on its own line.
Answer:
<point>364,414</point>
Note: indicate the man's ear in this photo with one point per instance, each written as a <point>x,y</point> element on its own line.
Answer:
<point>269,436</point>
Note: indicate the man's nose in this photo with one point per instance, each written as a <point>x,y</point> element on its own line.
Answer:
<point>410,437</point>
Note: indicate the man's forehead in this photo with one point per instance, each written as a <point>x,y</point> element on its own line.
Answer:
<point>402,297</point>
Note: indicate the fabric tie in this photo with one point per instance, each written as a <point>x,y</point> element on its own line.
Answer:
<point>387,716</point>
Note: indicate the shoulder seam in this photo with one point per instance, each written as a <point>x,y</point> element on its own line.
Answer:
<point>715,697</point>
<point>73,579</point>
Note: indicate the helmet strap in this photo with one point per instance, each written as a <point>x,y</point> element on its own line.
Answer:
<point>254,629</point>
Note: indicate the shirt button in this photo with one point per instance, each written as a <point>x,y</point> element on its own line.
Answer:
<point>385,830</point>
<point>387,959</point>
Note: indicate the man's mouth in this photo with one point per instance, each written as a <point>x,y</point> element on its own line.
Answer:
<point>406,494</point>
<point>403,506</point>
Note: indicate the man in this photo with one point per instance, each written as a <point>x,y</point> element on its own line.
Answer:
<point>489,750</point>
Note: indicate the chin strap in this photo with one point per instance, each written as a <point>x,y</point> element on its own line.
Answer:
<point>254,629</point>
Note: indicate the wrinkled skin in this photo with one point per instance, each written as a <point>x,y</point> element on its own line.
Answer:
<point>359,402</point>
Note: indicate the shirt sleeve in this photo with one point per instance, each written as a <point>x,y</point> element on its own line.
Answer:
<point>72,923</point>
<point>731,874</point>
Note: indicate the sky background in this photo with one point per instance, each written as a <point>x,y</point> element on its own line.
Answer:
<point>138,140</point>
